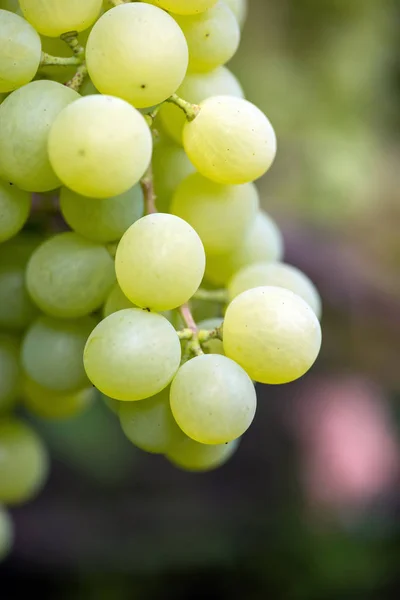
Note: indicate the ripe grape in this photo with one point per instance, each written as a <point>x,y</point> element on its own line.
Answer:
<point>20,51</point>
<point>230,141</point>
<point>10,371</point>
<point>195,88</point>
<point>55,17</point>
<point>52,353</point>
<point>116,300</point>
<point>102,219</point>
<point>100,146</point>
<point>160,262</point>
<point>221,214</point>
<point>192,456</point>
<point>184,7</point>
<point>239,9</point>
<point>170,167</point>
<point>26,116</point>
<point>279,275</point>
<point>15,205</point>
<point>23,462</point>
<point>69,276</point>
<point>6,533</point>
<point>49,404</point>
<point>272,333</point>
<point>213,37</point>
<point>149,423</point>
<point>132,354</point>
<point>137,52</point>
<point>213,346</point>
<point>212,399</point>
<point>263,242</point>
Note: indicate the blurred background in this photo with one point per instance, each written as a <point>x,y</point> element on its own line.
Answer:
<point>309,508</point>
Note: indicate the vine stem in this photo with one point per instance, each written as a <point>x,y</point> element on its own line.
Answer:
<point>49,60</point>
<point>147,184</point>
<point>191,110</point>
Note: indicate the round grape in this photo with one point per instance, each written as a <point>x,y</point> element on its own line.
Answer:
<point>192,456</point>
<point>55,17</point>
<point>48,404</point>
<point>14,210</point>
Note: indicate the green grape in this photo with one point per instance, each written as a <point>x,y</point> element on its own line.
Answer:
<point>212,37</point>
<point>132,354</point>
<point>6,533</point>
<point>160,262</point>
<point>195,88</point>
<point>278,275</point>
<point>116,300</point>
<point>263,242</point>
<point>184,7</point>
<point>212,399</point>
<point>10,5</point>
<point>111,404</point>
<point>10,372</point>
<point>272,333</point>
<point>192,456</point>
<point>20,51</point>
<point>2,97</point>
<point>149,424</point>
<point>137,52</point>
<point>170,167</point>
<point>48,404</point>
<point>24,462</point>
<point>17,310</point>
<point>230,141</point>
<point>213,346</point>
<point>221,214</point>
<point>87,88</point>
<point>102,219</point>
<point>52,353</point>
<point>69,276</point>
<point>26,116</point>
<point>239,9</point>
<point>15,205</point>
<point>109,146</point>
<point>55,17</point>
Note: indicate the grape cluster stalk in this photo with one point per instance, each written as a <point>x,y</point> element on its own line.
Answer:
<point>155,281</point>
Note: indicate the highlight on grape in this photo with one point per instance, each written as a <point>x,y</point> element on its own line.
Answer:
<point>136,263</point>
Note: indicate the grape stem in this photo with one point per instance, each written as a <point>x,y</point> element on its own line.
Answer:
<point>187,317</point>
<point>191,110</point>
<point>205,335</point>
<point>147,184</point>
<point>61,61</point>
<point>219,296</point>
<point>78,79</point>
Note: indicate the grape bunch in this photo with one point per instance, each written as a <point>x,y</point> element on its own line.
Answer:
<point>135,261</point>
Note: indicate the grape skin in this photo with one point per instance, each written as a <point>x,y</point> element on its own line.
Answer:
<point>192,456</point>
<point>230,141</point>
<point>20,51</point>
<point>49,404</point>
<point>137,52</point>
<point>212,399</point>
<point>132,354</point>
<point>116,300</point>
<point>109,146</point>
<point>160,262</point>
<point>15,205</point>
<point>10,371</point>
<point>272,333</point>
<point>170,166</point>
<point>184,7</point>
<point>239,9</point>
<point>55,17</point>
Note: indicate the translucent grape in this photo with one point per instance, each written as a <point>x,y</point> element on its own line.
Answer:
<point>230,141</point>
<point>102,220</point>
<point>213,346</point>
<point>220,214</point>
<point>55,17</point>
<point>149,424</point>
<point>278,275</point>
<point>137,52</point>
<point>14,210</point>
<point>195,88</point>
<point>17,310</point>
<point>6,533</point>
<point>239,9</point>
<point>132,354</point>
<point>20,51</point>
<point>272,333</point>
<point>160,262</point>
<point>192,456</point>
<point>10,372</point>
<point>170,167</point>
<point>184,7</point>
<point>212,399</point>
<point>116,300</point>
<point>26,116</point>
<point>52,353</point>
<point>69,276</point>
<point>212,36</point>
<point>109,146</point>
<point>23,462</point>
<point>48,404</point>
<point>263,242</point>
